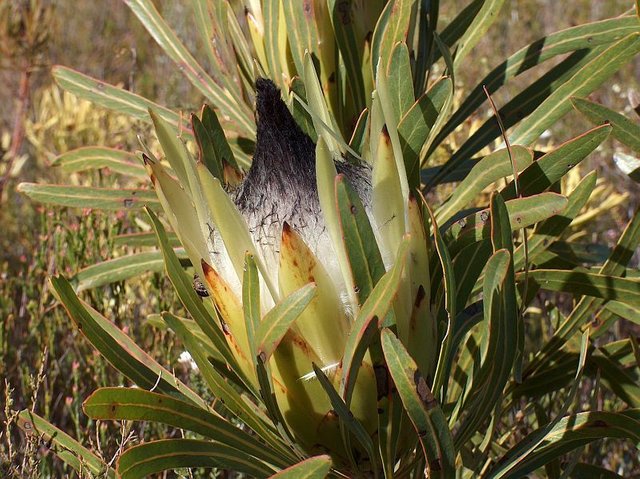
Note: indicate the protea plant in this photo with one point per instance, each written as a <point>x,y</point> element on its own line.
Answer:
<point>345,324</point>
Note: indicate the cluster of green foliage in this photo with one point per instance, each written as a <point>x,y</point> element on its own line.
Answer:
<point>447,322</point>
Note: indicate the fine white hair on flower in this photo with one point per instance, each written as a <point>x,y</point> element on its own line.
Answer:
<point>281,187</point>
<point>324,369</point>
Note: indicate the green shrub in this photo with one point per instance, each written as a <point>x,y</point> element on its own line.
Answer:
<point>417,344</point>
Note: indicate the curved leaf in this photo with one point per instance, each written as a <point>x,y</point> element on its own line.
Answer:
<point>157,456</point>
<point>89,196</point>
<point>95,157</point>
<point>69,450</point>
<point>313,468</point>
<point>422,407</point>
<point>132,404</point>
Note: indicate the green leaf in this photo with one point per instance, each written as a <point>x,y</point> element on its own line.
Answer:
<point>166,38</point>
<point>137,240</point>
<point>117,348</point>
<point>313,468</point>
<point>216,134</point>
<point>415,126</point>
<point>168,454</point>
<point>350,48</point>
<point>575,38</point>
<point>620,380</point>
<point>519,107</point>
<point>392,27</point>
<point>366,324</point>
<point>235,402</point>
<point>602,286</point>
<point>323,121</point>
<point>359,241</point>
<point>499,345</point>
<point>119,269</point>
<point>207,151</point>
<point>549,230</point>
<point>206,319</point>
<point>624,311</point>
<point>278,320</point>
<point>96,157</point>
<point>346,416</point>
<point>113,98</point>
<point>130,404</point>
<point>275,40</point>
<point>576,431</point>
<point>422,407</point>
<point>89,196</point>
<point>551,167</point>
<point>488,170</point>
<point>591,471</point>
<point>400,82</point>
<point>523,212</point>
<point>583,82</point>
<point>69,450</point>
<point>481,22</point>
<point>582,312</point>
<point>251,301</point>
<point>518,454</point>
<point>624,130</point>
<point>174,150</point>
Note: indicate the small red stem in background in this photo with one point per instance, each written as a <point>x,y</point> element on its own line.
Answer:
<point>20,116</point>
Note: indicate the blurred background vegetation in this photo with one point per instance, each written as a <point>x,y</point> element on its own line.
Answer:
<point>44,362</point>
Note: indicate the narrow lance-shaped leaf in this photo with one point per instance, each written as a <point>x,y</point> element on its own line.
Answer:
<point>277,322</point>
<point>524,448</point>
<point>251,301</point>
<point>113,98</point>
<point>69,450</point>
<point>481,22</point>
<point>139,405</point>
<point>551,167</point>
<point>349,47</point>
<point>360,244</point>
<point>602,286</point>
<point>236,403</point>
<point>577,430</point>
<point>499,350</point>
<point>220,143</point>
<point>346,416</point>
<point>89,196</point>
<point>624,130</point>
<point>207,152</point>
<point>392,27</point>
<point>95,157</point>
<point>122,268</point>
<point>313,468</point>
<point>572,39</point>
<point>120,350</point>
<point>587,79</point>
<point>415,126</point>
<point>168,454</point>
<point>366,325</point>
<point>443,366</point>
<point>172,46</point>
<point>488,170</point>
<point>519,107</point>
<point>422,407</point>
